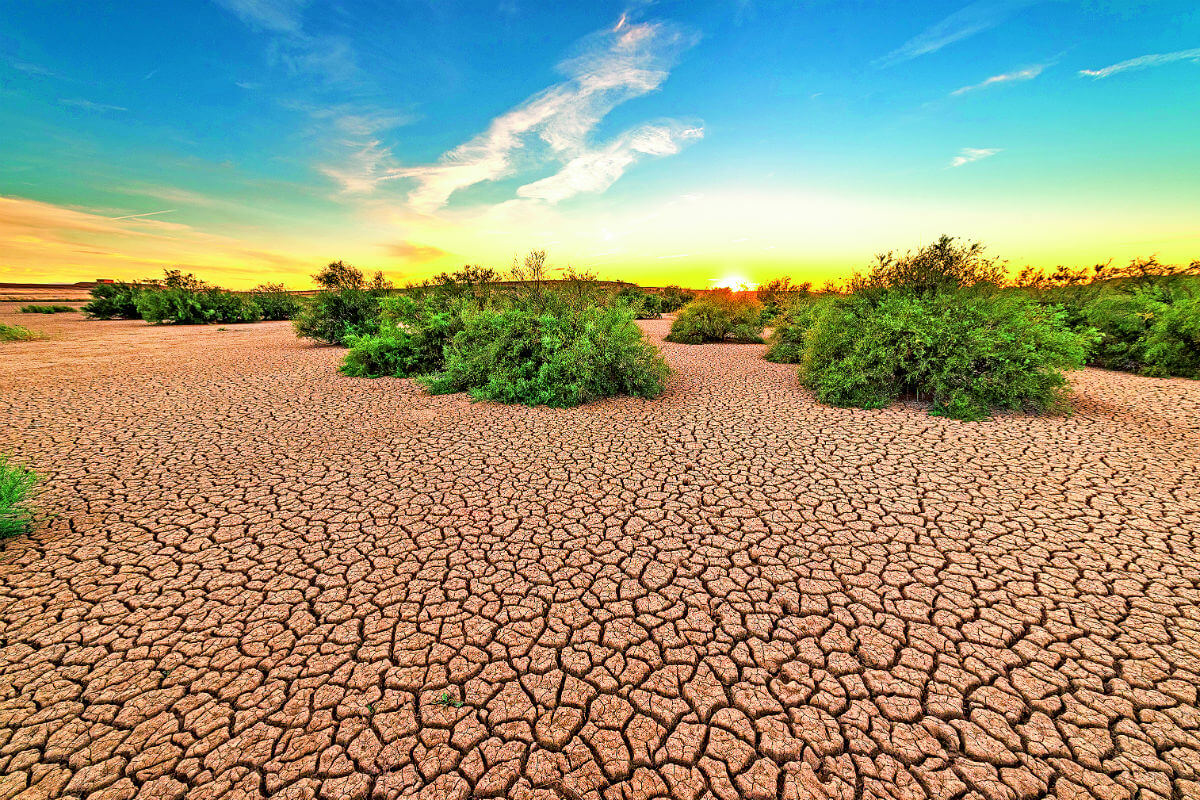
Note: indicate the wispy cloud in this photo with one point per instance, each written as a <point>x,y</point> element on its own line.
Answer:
<point>412,252</point>
<point>1142,62</point>
<point>328,57</point>
<point>32,69</point>
<point>971,154</point>
<point>88,105</point>
<point>962,24</point>
<point>612,66</point>
<point>147,214</point>
<point>279,16</point>
<point>596,169</point>
<point>1027,74</point>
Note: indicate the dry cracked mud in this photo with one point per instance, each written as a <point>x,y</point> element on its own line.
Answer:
<point>262,579</point>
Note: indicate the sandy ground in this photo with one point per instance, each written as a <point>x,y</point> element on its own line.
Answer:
<point>260,577</point>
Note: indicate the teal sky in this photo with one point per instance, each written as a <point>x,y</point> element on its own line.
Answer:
<point>689,142</point>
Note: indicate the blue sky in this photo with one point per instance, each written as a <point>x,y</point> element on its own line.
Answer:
<point>667,141</point>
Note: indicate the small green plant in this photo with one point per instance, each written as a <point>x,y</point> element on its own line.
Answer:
<point>17,484</point>
<point>17,333</point>
<point>718,317</point>
<point>54,309</point>
<point>444,699</point>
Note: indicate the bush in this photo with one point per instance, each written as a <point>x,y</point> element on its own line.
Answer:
<point>413,334</point>
<point>186,306</point>
<point>779,295</point>
<point>673,298</point>
<point>16,489</point>
<point>718,317</point>
<point>347,307</point>
<point>1172,347</point>
<point>46,309</point>
<point>114,301</point>
<point>641,304</point>
<point>1122,322</point>
<point>787,340</point>
<point>274,302</point>
<point>968,353</point>
<point>17,333</point>
<point>558,358</point>
<point>942,266</point>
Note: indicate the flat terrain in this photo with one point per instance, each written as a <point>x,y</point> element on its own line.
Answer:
<point>261,577</point>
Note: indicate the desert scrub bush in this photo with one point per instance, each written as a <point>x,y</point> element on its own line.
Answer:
<point>346,306</point>
<point>642,304</point>
<point>114,301</point>
<point>779,295</point>
<point>413,333</point>
<point>17,484</point>
<point>944,265</point>
<point>787,340</point>
<point>56,309</point>
<point>1122,322</point>
<point>966,352</point>
<point>672,298</point>
<point>274,302</point>
<point>718,317</point>
<point>1172,346</point>
<point>17,333</point>
<point>561,357</point>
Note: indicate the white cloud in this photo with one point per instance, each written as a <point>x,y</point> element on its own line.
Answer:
<point>280,16</point>
<point>612,66</point>
<point>1142,62</point>
<point>595,170</point>
<point>88,105</point>
<point>970,154</point>
<point>1008,77</point>
<point>966,22</point>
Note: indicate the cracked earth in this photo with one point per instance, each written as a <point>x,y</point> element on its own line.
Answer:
<point>262,579</point>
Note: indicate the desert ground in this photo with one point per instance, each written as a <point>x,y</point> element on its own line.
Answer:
<point>259,578</point>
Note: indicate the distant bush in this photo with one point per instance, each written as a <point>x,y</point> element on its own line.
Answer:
<point>17,484</point>
<point>718,317</point>
<point>114,301</point>
<point>778,295</point>
<point>184,299</point>
<point>347,306</point>
<point>1122,322</point>
<point>787,340</point>
<point>673,298</point>
<point>17,333</point>
<point>967,353</point>
<point>561,357</point>
<point>31,309</point>
<point>642,304</point>
<point>274,302</point>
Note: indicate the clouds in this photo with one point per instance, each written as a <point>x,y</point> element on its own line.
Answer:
<point>969,155</point>
<point>88,105</point>
<point>962,24</point>
<point>1143,62</point>
<point>278,16</point>
<point>414,253</point>
<point>554,126</point>
<point>1027,74</point>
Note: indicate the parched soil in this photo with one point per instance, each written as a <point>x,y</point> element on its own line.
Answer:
<point>261,578</point>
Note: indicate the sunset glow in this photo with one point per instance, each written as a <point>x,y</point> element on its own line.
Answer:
<point>665,143</point>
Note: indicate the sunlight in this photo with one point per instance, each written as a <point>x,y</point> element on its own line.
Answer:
<point>737,283</point>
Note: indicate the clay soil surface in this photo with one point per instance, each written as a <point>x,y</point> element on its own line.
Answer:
<point>262,579</point>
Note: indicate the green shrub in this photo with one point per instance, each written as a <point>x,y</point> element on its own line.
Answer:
<point>348,306</point>
<point>642,304</point>
<point>185,306</point>
<point>673,298</point>
<point>274,302</point>
<point>17,333</point>
<point>779,295</point>
<point>114,301</point>
<point>16,490</point>
<point>718,317</point>
<point>413,333</point>
<point>561,357</point>
<point>942,266</point>
<point>31,309</point>
<point>967,353</point>
<point>1122,322</point>
<point>786,343</point>
<point>1172,347</point>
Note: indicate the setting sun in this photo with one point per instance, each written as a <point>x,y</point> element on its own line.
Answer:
<point>736,283</point>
